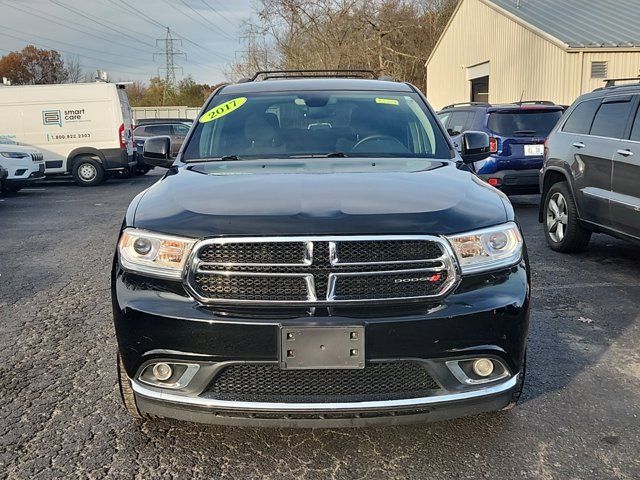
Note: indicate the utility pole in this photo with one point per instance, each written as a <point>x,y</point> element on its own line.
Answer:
<point>169,52</point>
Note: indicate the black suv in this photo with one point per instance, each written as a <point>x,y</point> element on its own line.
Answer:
<point>516,136</point>
<point>318,255</point>
<point>591,176</point>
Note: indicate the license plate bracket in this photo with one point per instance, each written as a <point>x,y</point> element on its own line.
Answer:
<point>311,347</point>
<point>533,150</point>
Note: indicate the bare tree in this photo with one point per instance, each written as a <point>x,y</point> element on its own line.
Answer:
<point>74,70</point>
<point>391,37</point>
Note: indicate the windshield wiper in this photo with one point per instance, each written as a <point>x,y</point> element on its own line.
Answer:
<point>224,158</point>
<point>321,155</point>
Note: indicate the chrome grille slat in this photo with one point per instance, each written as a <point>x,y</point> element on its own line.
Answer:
<point>388,274</point>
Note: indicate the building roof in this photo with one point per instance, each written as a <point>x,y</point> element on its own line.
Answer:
<point>580,23</point>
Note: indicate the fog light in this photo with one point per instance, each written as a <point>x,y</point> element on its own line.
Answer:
<point>163,371</point>
<point>483,367</point>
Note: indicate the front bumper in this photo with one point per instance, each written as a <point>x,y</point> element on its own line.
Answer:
<point>326,415</point>
<point>26,179</point>
<point>487,315</point>
<point>117,159</point>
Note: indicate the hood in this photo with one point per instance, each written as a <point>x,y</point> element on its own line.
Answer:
<point>440,200</point>
<point>11,147</point>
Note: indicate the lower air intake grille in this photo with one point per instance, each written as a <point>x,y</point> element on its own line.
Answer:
<point>268,383</point>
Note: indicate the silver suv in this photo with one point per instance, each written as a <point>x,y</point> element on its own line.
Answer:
<point>590,181</point>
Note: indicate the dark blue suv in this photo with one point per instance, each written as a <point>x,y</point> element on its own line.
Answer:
<point>517,133</point>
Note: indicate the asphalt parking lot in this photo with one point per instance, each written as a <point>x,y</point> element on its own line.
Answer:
<point>60,412</point>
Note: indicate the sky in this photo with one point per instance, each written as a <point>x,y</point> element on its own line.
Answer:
<point>110,35</point>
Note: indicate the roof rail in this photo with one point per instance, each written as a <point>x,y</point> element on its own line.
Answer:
<point>534,102</point>
<point>466,103</point>
<point>611,82</point>
<point>337,73</point>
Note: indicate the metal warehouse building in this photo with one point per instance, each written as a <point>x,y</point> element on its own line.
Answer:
<point>499,51</point>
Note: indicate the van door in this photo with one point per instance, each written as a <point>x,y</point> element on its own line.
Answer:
<point>127,120</point>
<point>625,196</point>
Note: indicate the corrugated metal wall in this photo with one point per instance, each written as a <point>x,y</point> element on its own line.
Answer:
<point>164,112</point>
<point>619,65</point>
<point>520,61</point>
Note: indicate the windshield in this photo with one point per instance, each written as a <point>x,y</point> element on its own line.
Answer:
<point>526,122</point>
<point>336,123</point>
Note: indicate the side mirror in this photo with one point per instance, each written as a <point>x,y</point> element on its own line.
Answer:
<point>157,152</point>
<point>474,146</point>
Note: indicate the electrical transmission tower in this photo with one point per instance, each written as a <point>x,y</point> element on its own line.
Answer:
<point>169,52</point>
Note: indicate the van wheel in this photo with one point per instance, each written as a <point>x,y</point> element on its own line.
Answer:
<point>87,172</point>
<point>561,227</point>
<point>126,392</point>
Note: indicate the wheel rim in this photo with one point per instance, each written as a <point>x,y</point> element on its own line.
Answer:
<point>87,172</point>
<point>557,217</point>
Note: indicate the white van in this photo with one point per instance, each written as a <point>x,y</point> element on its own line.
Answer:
<point>82,129</point>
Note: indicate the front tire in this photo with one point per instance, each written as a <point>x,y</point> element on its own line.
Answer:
<point>126,392</point>
<point>4,188</point>
<point>561,226</point>
<point>87,172</point>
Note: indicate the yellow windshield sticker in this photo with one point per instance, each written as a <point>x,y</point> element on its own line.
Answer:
<point>387,101</point>
<point>223,109</point>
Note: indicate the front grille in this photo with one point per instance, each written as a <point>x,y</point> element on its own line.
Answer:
<point>268,383</point>
<point>321,269</point>
<point>387,251</point>
<point>253,287</point>
<point>254,253</point>
<point>396,285</point>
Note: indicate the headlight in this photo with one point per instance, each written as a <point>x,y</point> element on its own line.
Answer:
<point>153,254</point>
<point>14,154</point>
<point>489,248</point>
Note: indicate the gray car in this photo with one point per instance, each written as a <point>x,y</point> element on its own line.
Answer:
<point>177,131</point>
<point>590,181</point>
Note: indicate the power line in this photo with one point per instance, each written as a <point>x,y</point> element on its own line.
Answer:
<point>127,7</point>
<point>50,18</point>
<point>131,9</point>
<point>64,43</point>
<point>215,10</point>
<point>69,52</point>
<point>216,27</point>
<point>98,21</point>
<point>191,17</point>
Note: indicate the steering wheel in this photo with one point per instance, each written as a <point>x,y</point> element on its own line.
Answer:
<point>378,138</point>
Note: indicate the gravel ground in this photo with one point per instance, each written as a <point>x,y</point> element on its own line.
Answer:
<point>60,412</point>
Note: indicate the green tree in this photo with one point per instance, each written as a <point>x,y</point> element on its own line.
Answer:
<point>186,93</point>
